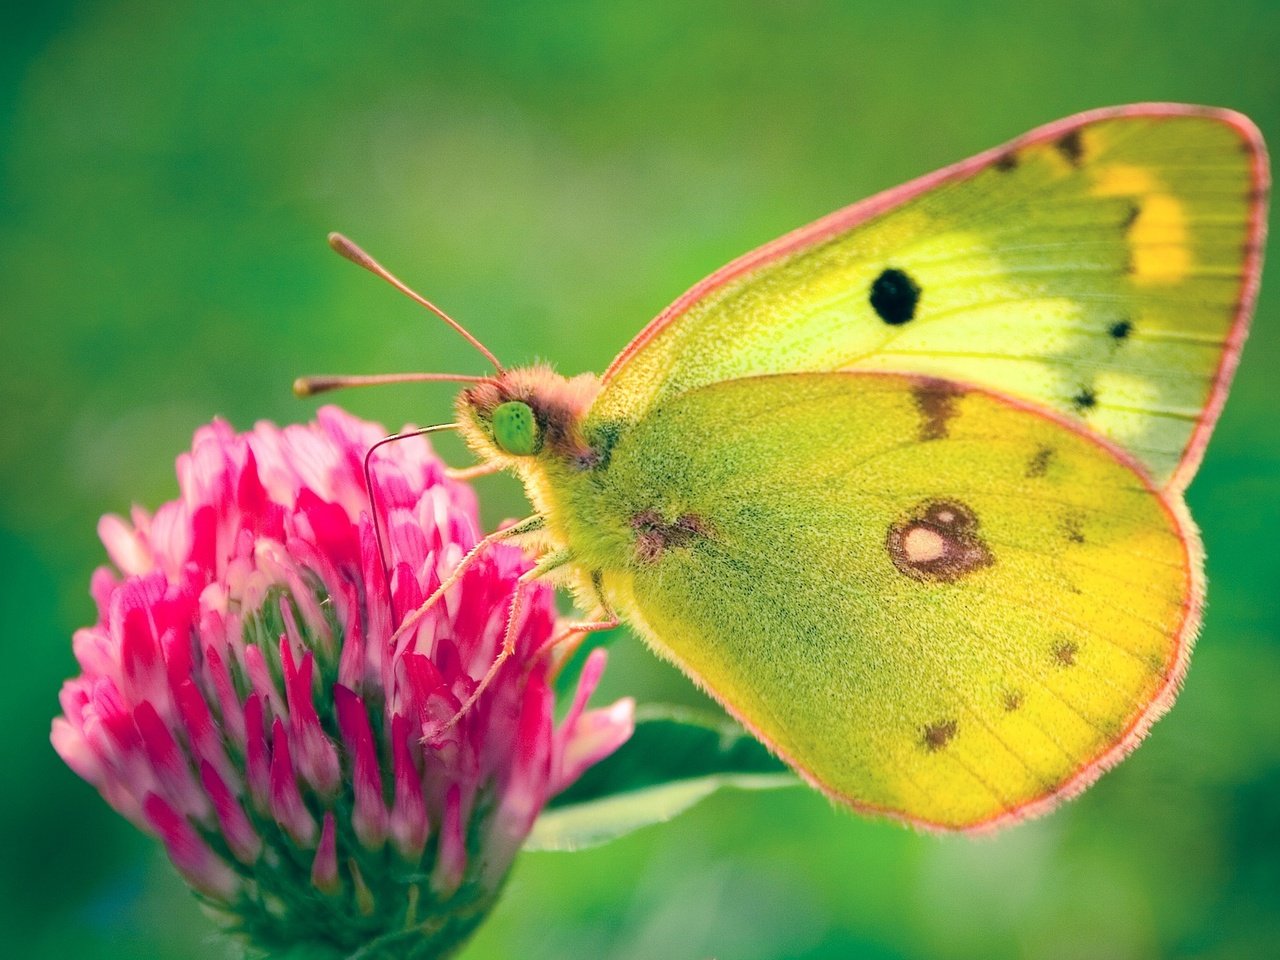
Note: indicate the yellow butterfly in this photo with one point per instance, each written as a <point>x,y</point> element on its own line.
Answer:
<point>903,489</point>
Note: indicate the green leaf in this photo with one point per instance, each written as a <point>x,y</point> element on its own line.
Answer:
<point>674,759</point>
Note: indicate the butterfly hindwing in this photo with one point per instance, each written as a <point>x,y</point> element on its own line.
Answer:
<point>1103,267</point>
<point>933,601</point>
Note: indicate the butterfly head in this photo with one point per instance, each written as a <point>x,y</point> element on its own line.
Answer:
<point>531,412</point>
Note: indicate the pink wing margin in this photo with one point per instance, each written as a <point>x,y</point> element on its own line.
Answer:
<point>850,216</point>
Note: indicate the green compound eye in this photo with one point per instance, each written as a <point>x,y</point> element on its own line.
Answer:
<point>515,429</point>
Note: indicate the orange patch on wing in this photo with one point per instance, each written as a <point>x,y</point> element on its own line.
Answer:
<point>1159,243</point>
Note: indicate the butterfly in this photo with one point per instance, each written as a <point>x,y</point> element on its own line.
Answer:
<point>903,489</point>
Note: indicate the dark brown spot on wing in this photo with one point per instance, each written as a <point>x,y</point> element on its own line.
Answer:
<point>938,735</point>
<point>654,535</point>
<point>1038,465</point>
<point>1071,146</point>
<point>1006,162</point>
<point>1073,527</point>
<point>1064,654</point>
<point>937,542</point>
<point>936,400</point>
<point>1012,700</point>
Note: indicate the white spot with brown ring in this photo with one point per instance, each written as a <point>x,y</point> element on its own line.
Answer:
<point>937,542</point>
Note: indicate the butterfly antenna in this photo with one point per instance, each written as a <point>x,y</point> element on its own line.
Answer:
<point>352,252</point>
<point>368,487</point>
<point>309,386</point>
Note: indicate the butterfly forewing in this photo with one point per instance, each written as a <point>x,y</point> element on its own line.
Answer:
<point>1102,267</point>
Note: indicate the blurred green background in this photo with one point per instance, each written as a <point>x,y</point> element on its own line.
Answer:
<point>553,173</point>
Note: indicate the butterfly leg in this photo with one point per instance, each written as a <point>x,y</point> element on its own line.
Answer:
<point>526,526</point>
<point>544,566</point>
<point>470,473</point>
<point>566,642</point>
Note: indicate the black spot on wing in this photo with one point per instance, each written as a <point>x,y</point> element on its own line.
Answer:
<point>1085,400</point>
<point>1006,162</point>
<point>894,296</point>
<point>1120,330</point>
